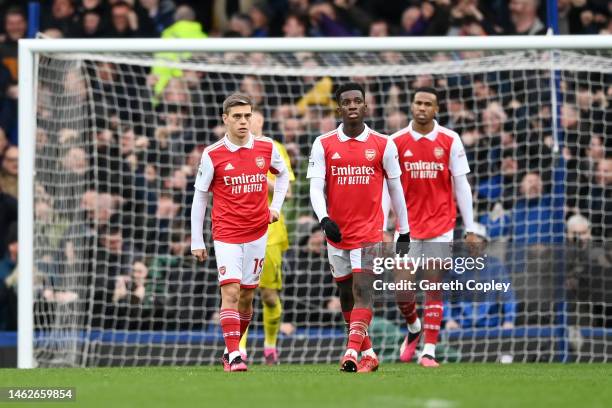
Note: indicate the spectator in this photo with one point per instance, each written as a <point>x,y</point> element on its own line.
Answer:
<point>187,293</point>
<point>15,27</point>
<point>91,25</point>
<point>161,13</point>
<point>259,14</point>
<point>185,26</point>
<point>291,130</point>
<point>395,121</point>
<point>524,18</point>
<point>9,171</point>
<point>8,215</point>
<point>160,226</point>
<point>124,21</point>
<point>598,199</point>
<point>569,16</point>
<point>62,16</point>
<point>412,23</point>
<point>326,23</point>
<point>131,288</point>
<point>379,28</point>
<point>295,25</point>
<point>308,284</point>
<point>8,268</point>
<point>240,25</point>
<point>578,229</point>
<point>493,309</point>
<point>536,217</point>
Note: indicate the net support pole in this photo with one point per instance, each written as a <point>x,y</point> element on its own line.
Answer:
<point>33,18</point>
<point>27,146</point>
<point>561,320</point>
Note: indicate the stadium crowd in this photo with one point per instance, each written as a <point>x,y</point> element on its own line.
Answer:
<point>125,202</point>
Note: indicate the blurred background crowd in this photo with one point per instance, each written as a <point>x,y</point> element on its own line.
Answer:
<point>114,214</point>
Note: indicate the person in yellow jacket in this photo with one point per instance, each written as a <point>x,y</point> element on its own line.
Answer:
<point>270,282</point>
<point>185,26</point>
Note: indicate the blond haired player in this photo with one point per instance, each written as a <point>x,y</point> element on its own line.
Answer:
<point>271,278</point>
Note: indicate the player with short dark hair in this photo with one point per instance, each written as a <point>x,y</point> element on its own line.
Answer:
<point>434,169</point>
<point>347,170</point>
<point>235,171</point>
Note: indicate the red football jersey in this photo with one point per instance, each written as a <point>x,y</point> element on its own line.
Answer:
<point>354,170</point>
<point>428,163</point>
<point>237,178</point>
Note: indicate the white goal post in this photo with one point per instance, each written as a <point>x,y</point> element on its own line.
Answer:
<point>29,50</point>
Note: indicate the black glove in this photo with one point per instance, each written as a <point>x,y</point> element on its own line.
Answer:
<point>331,230</point>
<point>403,244</point>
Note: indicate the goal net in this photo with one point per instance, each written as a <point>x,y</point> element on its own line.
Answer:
<point>119,137</point>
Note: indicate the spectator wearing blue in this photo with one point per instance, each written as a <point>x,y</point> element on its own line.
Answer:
<point>161,13</point>
<point>15,28</point>
<point>537,217</point>
<point>492,309</point>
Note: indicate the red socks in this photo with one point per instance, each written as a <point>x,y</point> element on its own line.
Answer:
<point>408,310</point>
<point>367,342</point>
<point>360,320</point>
<point>245,320</point>
<point>431,320</point>
<point>230,326</point>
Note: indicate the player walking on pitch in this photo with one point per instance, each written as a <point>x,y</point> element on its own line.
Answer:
<point>434,169</point>
<point>347,170</point>
<point>234,170</point>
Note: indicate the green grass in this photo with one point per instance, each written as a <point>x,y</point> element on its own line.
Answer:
<point>292,386</point>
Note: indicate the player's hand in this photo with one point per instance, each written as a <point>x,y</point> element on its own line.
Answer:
<point>200,254</point>
<point>331,229</point>
<point>274,216</point>
<point>473,244</point>
<point>403,244</point>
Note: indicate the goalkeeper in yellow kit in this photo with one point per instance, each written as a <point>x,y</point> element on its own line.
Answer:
<point>270,282</point>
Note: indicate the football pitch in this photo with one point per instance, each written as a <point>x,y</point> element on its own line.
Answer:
<point>293,386</point>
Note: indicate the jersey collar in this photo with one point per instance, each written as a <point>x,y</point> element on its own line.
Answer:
<point>363,136</point>
<point>233,147</point>
<point>431,135</point>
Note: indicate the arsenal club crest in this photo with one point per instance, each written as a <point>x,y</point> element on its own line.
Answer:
<point>438,152</point>
<point>370,154</point>
<point>260,162</point>
<point>222,270</point>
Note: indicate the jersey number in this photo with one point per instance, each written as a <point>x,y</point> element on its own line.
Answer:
<point>258,266</point>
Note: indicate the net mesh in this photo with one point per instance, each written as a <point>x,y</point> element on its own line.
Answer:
<point>119,138</point>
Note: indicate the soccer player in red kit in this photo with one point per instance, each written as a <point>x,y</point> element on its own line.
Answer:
<point>235,171</point>
<point>434,174</point>
<point>347,170</point>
